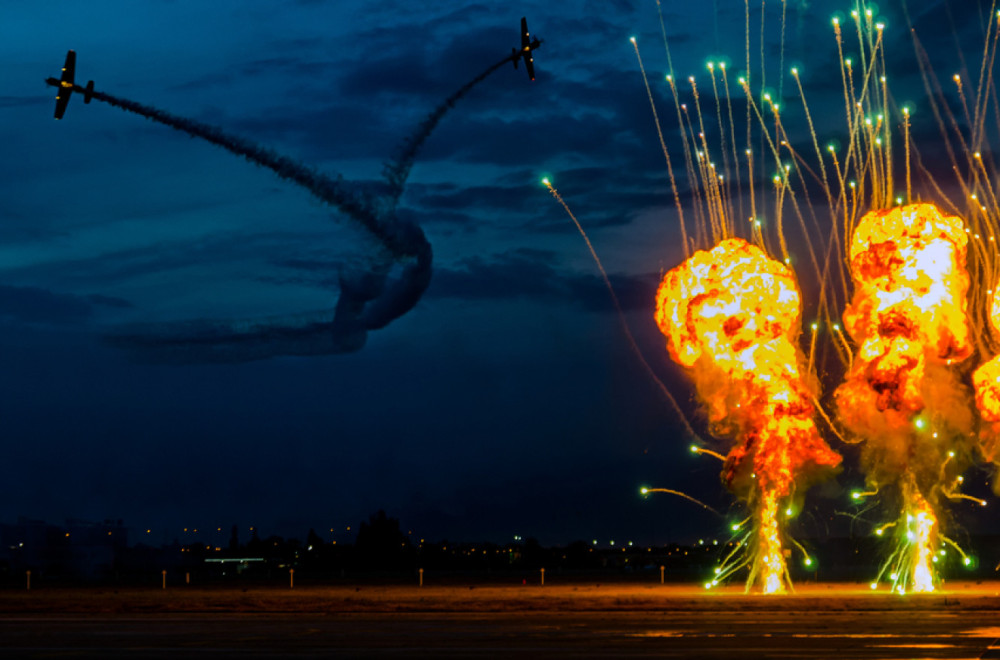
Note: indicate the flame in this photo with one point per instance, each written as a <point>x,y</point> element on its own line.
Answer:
<point>986,381</point>
<point>732,318</point>
<point>910,280</point>
<point>902,394</point>
<point>922,529</point>
<point>772,559</point>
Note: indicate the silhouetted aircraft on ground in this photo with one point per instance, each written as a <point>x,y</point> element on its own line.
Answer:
<point>527,45</point>
<point>66,86</point>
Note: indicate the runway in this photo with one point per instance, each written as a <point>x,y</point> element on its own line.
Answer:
<point>500,622</point>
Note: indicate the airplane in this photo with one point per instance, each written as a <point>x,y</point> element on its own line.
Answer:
<point>527,45</point>
<point>66,86</point>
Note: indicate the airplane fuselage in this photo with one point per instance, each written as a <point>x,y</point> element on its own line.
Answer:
<point>55,82</point>
<point>67,86</point>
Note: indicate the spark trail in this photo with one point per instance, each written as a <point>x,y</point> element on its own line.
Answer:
<point>368,300</point>
<point>731,317</point>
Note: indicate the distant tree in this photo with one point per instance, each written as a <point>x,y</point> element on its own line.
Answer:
<point>381,545</point>
<point>313,539</point>
<point>234,539</point>
<point>255,546</point>
<point>533,556</point>
<point>580,554</point>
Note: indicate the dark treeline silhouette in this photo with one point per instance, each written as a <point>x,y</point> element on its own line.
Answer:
<point>382,552</point>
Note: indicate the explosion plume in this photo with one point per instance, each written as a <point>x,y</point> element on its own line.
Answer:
<point>902,395</point>
<point>732,317</point>
<point>986,381</point>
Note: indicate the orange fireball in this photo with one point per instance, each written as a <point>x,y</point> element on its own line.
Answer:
<point>902,395</point>
<point>986,381</point>
<point>909,308</point>
<point>732,317</point>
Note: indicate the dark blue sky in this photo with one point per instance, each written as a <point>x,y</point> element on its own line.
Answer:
<point>506,402</point>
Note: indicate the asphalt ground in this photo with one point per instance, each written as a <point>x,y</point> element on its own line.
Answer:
<point>819,621</point>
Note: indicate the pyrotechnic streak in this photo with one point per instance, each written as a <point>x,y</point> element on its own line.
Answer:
<point>906,142</point>
<point>621,314</point>
<point>911,567</point>
<point>663,144</point>
<point>986,82</point>
<point>695,449</point>
<point>826,418</point>
<point>646,491</point>
<point>732,136</point>
<point>709,181</point>
<point>731,317</point>
<point>812,347</point>
<point>688,163</point>
<point>781,58</point>
<point>728,206</point>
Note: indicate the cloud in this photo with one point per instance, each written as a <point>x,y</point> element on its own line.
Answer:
<point>37,305</point>
<point>22,101</point>
<point>109,301</point>
<point>530,273</point>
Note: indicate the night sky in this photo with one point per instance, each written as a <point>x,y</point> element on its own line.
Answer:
<point>507,402</point>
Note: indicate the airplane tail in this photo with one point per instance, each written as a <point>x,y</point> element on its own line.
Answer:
<point>88,92</point>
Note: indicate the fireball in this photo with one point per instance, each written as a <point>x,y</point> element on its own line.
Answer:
<point>902,395</point>
<point>732,318</point>
<point>986,381</point>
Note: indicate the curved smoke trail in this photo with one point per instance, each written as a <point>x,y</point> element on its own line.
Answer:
<point>368,301</point>
<point>397,171</point>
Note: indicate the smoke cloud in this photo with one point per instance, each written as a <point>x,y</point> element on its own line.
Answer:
<point>370,298</point>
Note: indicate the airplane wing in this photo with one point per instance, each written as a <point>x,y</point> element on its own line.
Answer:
<point>66,84</point>
<point>62,100</point>
<point>527,45</point>
<point>69,69</point>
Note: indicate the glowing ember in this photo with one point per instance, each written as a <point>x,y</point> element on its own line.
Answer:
<point>902,395</point>
<point>732,318</point>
